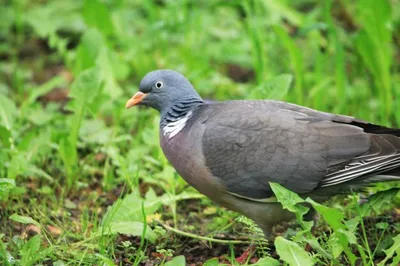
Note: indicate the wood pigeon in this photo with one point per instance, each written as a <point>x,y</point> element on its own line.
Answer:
<point>231,150</point>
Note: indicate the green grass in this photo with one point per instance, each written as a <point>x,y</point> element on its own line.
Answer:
<point>84,182</point>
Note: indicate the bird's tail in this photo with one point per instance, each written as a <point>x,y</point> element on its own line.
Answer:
<point>395,173</point>
<point>391,135</point>
<point>392,175</point>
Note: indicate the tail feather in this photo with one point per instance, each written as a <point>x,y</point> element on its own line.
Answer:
<point>380,161</point>
<point>391,171</point>
<point>377,178</point>
<point>376,129</point>
<point>394,173</point>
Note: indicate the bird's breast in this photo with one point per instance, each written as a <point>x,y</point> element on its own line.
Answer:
<point>185,153</point>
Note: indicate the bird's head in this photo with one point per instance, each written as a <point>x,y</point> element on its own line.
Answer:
<point>160,89</point>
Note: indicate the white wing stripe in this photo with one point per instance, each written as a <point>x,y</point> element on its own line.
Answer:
<point>362,168</point>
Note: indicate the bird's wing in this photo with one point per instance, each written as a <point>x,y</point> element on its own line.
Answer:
<point>247,144</point>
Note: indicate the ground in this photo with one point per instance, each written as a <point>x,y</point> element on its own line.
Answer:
<point>76,168</point>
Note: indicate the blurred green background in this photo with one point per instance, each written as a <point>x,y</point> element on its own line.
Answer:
<point>69,149</point>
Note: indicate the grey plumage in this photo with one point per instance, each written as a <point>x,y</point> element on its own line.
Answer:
<point>231,150</point>
<point>299,148</point>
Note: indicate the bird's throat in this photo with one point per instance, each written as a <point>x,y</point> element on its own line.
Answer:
<point>172,128</point>
<point>175,118</point>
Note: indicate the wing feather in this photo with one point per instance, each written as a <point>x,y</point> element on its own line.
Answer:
<point>300,148</point>
<point>383,156</point>
<point>268,141</point>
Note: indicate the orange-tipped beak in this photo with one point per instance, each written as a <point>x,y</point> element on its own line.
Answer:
<point>135,100</point>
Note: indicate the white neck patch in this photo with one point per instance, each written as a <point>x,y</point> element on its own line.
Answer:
<point>173,128</point>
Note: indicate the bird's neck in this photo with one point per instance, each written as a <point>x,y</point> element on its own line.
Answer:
<point>174,118</point>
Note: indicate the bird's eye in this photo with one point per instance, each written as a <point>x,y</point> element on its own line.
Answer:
<point>159,84</point>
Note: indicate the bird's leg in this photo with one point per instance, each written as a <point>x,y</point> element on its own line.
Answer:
<point>268,232</point>
<point>312,215</point>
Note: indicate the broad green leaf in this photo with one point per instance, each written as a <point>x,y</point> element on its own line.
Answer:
<point>106,261</point>
<point>40,116</point>
<point>286,11</point>
<point>132,228</point>
<point>59,263</point>
<point>55,15</point>
<point>395,248</point>
<point>378,200</point>
<point>211,262</point>
<point>351,237</point>
<point>352,224</point>
<point>96,15</point>
<point>273,89</point>
<point>33,145</point>
<point>315,245</point>
<point>104,63</point>
<point>307,225</point>
<point>6,184</point>
<point>95,131</point>
<point>396,260</point>
<point>30,251</point>
<point>177,261</point>
<point>267,261</point>
<point>38,172</point>
<point>129,208</point>
<point>88,50</point>
<point>38,19</point>
<point>128,228</point>
<point>8,111</point>
<point>5,255</point>
<point>334,218</point>
<point>334,245</point>
<point>23,219</point>
<point>86,85</point>
<point>18,165</point>
<point>331,215</point>
<point>93,51</point>
<point>291,253</point>
<point>382,225</point>
<point>288,199</point>
<point>5,135</point>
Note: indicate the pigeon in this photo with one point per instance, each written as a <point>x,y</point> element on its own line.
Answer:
<point>230,151</point>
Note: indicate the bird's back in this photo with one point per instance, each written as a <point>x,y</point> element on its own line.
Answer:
<point>247,144</point>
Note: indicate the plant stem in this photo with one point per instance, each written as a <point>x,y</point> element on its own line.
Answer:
<point>210,239</point>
